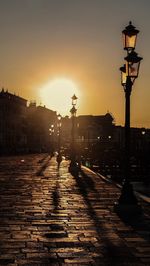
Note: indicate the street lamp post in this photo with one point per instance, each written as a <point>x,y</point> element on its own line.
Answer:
<point>73,115</point>
<point>59,157</point>
<point>127,203</point>
<point>51,130</point>
<point>59,131</point>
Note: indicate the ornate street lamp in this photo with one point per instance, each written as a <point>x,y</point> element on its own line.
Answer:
<point>59,157</point>
<point>73,111</point>
<point>59,131</point>
<point>129,37</point>
<point>127,203</point>
<point>74,100</point>
<point>51,130</point>
<point>123,75</point>
<point>132,65</point>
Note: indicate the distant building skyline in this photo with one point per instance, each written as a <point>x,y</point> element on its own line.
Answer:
<point>32,128</point>
<point>34,103</point>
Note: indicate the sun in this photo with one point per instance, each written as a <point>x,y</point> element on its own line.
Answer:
<point>56,94</point>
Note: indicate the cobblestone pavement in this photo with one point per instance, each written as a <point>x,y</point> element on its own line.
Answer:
<point>49,217</point>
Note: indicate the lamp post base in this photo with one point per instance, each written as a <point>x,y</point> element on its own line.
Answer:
<point>127,205</point>
<point>128,211</point>
<point>73,168</point>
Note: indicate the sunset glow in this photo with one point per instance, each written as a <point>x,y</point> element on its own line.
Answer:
<point>56,94</point>
<point>72,40</point>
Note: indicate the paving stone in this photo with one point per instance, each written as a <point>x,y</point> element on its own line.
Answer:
<point>50,217</point>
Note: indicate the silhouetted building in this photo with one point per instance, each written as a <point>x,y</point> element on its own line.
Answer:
<point>92,128</point>
<point>140,139</point>
<point>88,129</point>
<point>22,128</point>
<point>66,126</point>
<point>39,120</point>
<point>12,123</point>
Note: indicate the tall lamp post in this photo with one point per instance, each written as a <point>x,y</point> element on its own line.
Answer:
<point>73,115</point>
<point>127,203</point>
<point>59,157</point>
<point>59,131</point>
<point>51,130</point>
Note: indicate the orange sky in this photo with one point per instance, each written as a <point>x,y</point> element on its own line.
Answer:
<point>78,40</point>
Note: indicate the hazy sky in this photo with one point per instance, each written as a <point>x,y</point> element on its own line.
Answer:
<point>41,40</point>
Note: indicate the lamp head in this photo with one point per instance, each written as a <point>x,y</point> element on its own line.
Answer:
<point>74,100</point>
<point>133,64</point>
<point>129,37</point>
<point>123,75</point>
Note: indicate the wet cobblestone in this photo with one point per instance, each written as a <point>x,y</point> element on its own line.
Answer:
<point>49,217</point>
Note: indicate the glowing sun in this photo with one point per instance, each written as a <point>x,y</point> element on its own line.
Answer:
<point>56,94</point>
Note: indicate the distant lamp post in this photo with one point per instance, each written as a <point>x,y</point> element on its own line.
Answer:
<point>127,203</point>
<point>59,131</point>
<point>59,157</point>
<point>73,111</point>
<point>74,100</point>
<point>143,139</point>
<point>51,130</point>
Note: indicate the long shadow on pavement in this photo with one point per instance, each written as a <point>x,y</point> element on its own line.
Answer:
<point>115,252</point>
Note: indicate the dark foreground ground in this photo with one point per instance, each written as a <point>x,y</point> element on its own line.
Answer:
<point>49,217</point>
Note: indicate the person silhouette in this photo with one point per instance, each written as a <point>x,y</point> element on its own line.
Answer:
<point>59,159</point>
